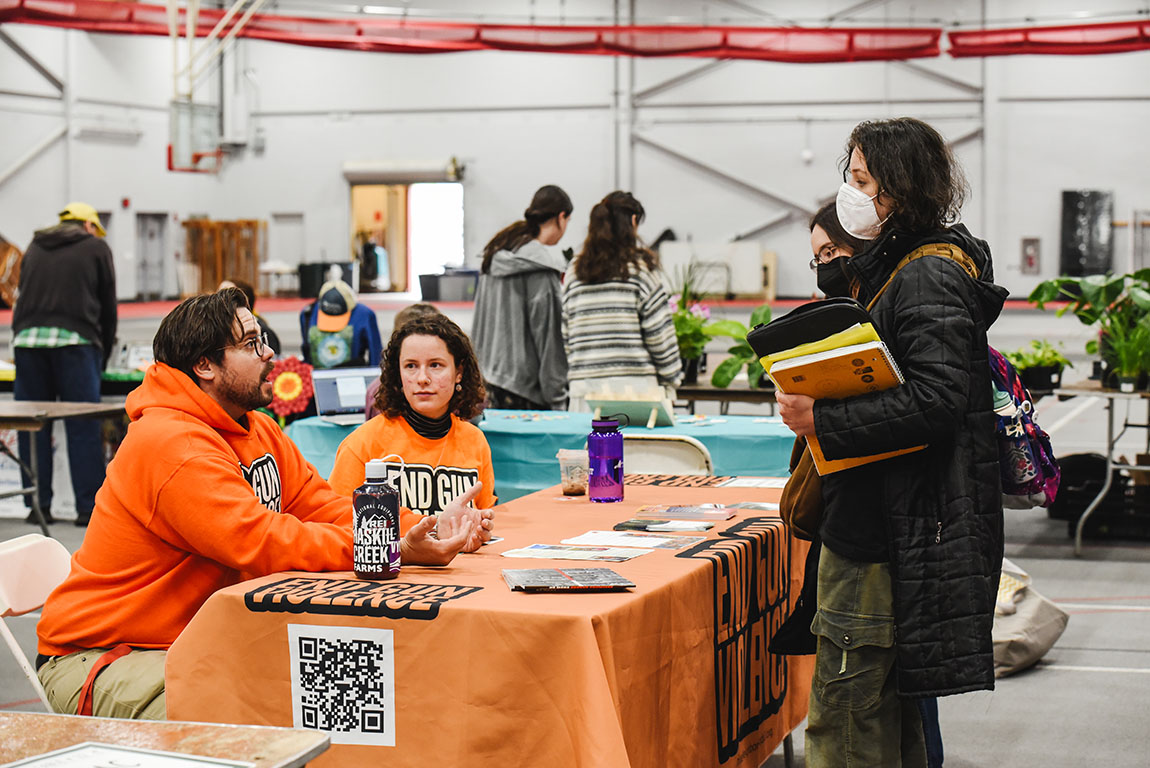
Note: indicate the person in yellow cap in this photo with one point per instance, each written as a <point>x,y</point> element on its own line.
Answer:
<point>338,331</point>
<point>64,329</point>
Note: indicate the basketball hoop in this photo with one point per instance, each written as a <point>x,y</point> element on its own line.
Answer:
<point>194,137</point>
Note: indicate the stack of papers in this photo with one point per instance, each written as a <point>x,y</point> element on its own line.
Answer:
<point>632,539</point>
<point>577,552</point>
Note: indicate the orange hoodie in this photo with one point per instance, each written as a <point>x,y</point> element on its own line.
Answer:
<point>193,502</point>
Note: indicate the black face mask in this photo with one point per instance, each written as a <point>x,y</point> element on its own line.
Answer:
<point>832,278</point>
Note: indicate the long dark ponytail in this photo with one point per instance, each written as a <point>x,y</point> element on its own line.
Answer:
<point>611,247</point>
<point>549,201</point>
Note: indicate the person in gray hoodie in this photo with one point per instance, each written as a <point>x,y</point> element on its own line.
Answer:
<point>517,332</point>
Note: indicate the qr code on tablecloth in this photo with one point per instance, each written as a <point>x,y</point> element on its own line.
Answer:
<point>343,683</point>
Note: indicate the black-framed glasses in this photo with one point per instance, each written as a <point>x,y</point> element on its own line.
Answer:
<point>826,255</point>
<point>257,345</point>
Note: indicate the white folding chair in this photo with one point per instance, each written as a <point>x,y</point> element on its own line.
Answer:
<point>30,568</point>
<point>665,455</point>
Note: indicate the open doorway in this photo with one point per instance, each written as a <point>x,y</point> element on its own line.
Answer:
<point>400,231</point>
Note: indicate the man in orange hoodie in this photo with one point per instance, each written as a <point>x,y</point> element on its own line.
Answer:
<point>203,492</point>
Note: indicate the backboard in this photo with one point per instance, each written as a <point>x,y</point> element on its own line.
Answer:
<point>194,137</point>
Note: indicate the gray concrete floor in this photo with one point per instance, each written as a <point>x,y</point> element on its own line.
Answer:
<point>1084,704</point>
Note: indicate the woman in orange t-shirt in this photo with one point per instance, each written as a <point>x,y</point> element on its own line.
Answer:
<point>430,387</point>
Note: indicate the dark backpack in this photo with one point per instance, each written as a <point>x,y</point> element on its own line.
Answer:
<point>1030,473</point>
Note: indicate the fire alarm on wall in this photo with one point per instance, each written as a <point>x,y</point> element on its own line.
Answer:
<point>125,202</point>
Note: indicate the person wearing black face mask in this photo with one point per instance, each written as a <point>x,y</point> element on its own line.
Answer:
<point>832,246</point>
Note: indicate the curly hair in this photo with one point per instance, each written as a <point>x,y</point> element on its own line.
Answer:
<point>612,248</point>
<point>913,166</point>
<point>466,402</point>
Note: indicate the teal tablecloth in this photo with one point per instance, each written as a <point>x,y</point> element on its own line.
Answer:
<point>524,444</point>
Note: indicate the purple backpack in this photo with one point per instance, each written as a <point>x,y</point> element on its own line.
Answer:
<point>1030,473</point>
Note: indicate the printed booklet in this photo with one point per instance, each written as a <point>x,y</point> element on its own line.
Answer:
<point>711,512</point>
<point>565,580</point>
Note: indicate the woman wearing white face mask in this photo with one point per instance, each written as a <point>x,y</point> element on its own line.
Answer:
<point>912,546</point>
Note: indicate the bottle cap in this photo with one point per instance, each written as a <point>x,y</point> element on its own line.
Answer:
<point>1002,404</point>
<point>602,425</point>
<point>376,469</point>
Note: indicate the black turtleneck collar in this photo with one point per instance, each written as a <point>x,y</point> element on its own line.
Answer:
<point>432,429</point>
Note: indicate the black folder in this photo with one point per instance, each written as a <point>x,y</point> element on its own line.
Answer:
<point>806,323</point>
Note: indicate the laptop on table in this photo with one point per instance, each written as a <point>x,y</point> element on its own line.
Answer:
<point>340,393</point>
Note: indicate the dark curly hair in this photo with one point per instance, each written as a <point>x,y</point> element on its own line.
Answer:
<point>466,403</point>
<point>611,247</point>
<point>913,166</point>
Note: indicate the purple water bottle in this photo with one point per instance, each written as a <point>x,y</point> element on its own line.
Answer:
<point>375,525</point>
<point>605,461</point>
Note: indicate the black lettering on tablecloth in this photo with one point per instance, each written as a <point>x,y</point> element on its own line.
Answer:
<point>750,566</point>
<point>676,481</point>
<point>352,597</point>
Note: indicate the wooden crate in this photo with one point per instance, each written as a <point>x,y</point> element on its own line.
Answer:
<point>220,250</point>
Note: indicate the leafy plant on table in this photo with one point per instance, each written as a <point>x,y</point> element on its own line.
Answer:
<point>1040,354</point>
<point>690,315</point>
<point>1118,304</point>
<point>741,353</point>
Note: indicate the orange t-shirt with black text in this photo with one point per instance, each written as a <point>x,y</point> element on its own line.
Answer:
<point>433,471</point>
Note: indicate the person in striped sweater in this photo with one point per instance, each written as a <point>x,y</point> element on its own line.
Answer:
<point>617,326</point>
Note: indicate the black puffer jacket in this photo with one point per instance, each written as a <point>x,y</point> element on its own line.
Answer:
<point>942,506</point>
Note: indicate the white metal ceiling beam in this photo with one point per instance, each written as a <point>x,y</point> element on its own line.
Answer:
<point>930,74</point>
<point>766,226</point>
<point>775,197</point>
<point>32,61</point>
<point>848,11</point>
<point>677,80</point>
<point>229,38</point>
<point>215,33</point>
<point>52,137</point>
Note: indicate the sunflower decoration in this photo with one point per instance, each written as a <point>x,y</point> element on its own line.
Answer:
<point>291,387</point>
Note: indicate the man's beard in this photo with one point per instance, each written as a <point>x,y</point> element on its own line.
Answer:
<point>247,397</point>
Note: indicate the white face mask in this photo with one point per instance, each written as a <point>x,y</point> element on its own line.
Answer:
<point>857,213</point>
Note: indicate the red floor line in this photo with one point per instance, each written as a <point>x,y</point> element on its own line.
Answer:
<point>24,703</point>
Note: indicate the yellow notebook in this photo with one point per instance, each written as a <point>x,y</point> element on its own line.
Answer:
<point>835,374</point>
<point>858,333</point>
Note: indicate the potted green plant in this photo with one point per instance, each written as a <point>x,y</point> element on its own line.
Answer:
<point>1040,365</point>
<point>692,331</point>
<point>741,353</point>
<point>692,321</point>
<point>1129,355</point>
<point>1119,305</point>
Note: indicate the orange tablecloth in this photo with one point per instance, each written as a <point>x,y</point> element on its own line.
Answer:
<point>674,672</point>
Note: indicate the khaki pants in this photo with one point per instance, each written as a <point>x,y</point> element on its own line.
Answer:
<point>856,718</point>
<point>131,687</point>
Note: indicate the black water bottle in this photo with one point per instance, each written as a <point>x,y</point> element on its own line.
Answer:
<point>375,525</point>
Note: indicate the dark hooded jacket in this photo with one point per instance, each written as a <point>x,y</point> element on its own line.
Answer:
<point>67,280</point>
<point>939,510</point>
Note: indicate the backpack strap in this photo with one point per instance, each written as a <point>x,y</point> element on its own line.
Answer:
<point>942,250</point>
